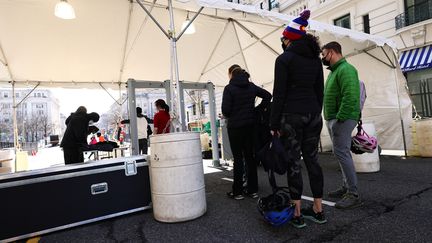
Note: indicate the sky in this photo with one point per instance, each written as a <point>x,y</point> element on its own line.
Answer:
<point>95,100</point>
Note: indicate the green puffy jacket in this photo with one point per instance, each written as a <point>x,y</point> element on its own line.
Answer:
<point>342,93</point>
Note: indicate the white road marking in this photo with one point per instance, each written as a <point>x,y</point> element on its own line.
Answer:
<point>328,203</point>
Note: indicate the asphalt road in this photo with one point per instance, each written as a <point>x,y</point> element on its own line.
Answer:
<point>397,208</point>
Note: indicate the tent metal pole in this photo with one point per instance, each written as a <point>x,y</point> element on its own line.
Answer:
<point>190,22</point>
<point>182,106</point>
<point>122,65</point>
<point>214,129</point>
<point>256,37</point>
<point>392,63</point>
<point>400,111</point>
<point>27,95</point>
<point>15,125</point>
<point>175,88</point>
<point>154,20</point>
<point>235,54</point>
<point>112,97</point>
<point>214,49</point>
<point>242,52</point>
<point>376,58</point>
<point>133,126</point>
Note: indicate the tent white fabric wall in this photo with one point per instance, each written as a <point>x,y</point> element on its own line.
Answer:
<point>113,40</point>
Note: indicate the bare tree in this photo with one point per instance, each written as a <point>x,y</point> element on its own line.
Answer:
<point>45,125</point>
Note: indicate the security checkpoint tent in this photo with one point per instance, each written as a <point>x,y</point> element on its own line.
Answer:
<point>113,40</point>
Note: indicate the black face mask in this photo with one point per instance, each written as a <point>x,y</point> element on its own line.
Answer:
<point>284,47</point>
<point>324,61</point>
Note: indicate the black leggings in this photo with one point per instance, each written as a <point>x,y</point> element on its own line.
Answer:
<point>300,134</point>
<point>241,140</point>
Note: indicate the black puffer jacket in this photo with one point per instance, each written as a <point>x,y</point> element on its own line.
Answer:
<point>299,81</point>
<point>238,101</point>
<point>76,131</point>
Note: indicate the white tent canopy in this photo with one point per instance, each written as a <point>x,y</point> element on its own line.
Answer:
<point>113,40</point>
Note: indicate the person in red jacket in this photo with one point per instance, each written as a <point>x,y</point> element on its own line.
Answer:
<point>161,118</point>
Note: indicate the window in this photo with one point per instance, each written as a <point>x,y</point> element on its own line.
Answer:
<point>17,95</point>
<point>5,94</point>
<point>194,110</point>
<point>366,22</point>
<point>40,113</point>
<point>344,21</point>
<point>6,120</point>
<point>38,94</point>
<point>202,107</point>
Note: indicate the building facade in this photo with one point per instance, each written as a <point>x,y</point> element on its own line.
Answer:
<point>38,115</point>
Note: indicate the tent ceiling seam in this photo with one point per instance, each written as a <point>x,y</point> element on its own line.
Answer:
<point>6,63</point>
<point>214,49</point>
<point>247,47</point>
<point>256,37</point>
<point>122,65</point>
<point>238,40</point>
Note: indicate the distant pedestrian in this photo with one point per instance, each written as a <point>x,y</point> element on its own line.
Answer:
<point>296,113</point>
<point>342,112</point>
<point>238,104</point>
<point>161,120</point>
<point>142,131</point>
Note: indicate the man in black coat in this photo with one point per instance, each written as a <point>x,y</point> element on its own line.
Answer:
<point>75,136</point>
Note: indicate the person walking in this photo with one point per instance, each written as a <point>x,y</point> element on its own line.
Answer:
<point>142,127</point>
<point>238,103</point>
<point>342,112</point>
<point>296,113</point>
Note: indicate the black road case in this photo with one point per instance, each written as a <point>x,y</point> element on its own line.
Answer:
<point>43,201</point>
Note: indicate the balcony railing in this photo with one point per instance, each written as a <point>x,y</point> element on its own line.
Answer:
<point>414,14</point>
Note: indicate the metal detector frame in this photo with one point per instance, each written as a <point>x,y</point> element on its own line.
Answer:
<point>133,84</point>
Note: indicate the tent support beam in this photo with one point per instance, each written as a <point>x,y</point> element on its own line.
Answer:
<point>122,65</point>
<point>238,40</point>
<point>214,50</point>
<point>190,22</point>
<point>112,97</point>
<point>247,47</point>
<point>376,58</point>
<point>25,97</point>
<point>388,58</point>
<point>154,20</point>
<point>256,37</point>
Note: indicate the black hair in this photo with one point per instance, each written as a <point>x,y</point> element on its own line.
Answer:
<point>82,110</point>
<point>235,70</point>
<point>161,104</point>
<point>138,110</point>
<point>99,134</point>
<point>333,46</point>
<point>93,116</point>
<point>314,44</point>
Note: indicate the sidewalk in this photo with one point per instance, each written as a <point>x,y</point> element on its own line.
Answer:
<point>397,209</point>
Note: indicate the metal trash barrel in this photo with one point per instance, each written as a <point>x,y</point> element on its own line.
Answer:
<point>177,177</point>
<point>367,162</point>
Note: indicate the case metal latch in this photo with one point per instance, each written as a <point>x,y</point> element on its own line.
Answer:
<point>130,168</point>
<point>99,188</point>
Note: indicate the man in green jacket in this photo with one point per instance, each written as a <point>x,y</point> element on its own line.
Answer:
<point>342,112</point>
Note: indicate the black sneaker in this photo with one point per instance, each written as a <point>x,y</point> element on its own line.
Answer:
<point>309,213</point>
<point>338,193</point>
<point>235,197</point>
<point>298,222</point>
<point>349,201</point>
<point>252,195</point>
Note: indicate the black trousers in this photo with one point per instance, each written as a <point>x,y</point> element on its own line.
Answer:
<point>73,155</point>
<point>241,140</point>
<point>300,134</point>
<point>143,145</point>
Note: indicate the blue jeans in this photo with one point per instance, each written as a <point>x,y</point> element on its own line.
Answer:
<point>340,134</point>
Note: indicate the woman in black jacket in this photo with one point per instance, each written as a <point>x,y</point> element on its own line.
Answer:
<point>238,105</point>
<point>296,113</point>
